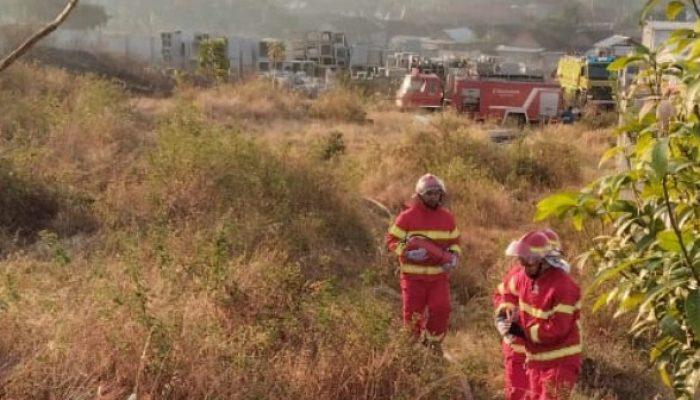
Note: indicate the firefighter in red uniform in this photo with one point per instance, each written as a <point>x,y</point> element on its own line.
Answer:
<point>547,318</point>
<point>513,347</point>
<point>505,302</point>
<point>426,239</point>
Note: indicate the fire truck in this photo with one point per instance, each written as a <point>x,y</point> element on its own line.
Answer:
<point>483,98</point>
<point>419,90</point>
<point>587,81</point>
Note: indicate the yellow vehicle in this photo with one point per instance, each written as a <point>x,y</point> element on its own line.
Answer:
<point>586,81</point>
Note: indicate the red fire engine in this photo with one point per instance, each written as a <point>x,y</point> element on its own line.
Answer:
<point>483,98</point>
<point>420,91</point>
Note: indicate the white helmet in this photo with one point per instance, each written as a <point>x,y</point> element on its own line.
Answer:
<point>429,182</point>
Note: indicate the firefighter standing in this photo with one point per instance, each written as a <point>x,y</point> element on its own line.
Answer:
<point>505,301</point>
<point>426,239</point>
<point>547,318</point>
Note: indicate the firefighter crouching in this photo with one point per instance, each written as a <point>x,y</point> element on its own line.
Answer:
<point>547,317</point>
<point>426,239</point>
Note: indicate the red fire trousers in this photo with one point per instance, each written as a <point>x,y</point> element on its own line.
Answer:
<point>555,382</point>
<point>516,379</point>
<point>426,304</point>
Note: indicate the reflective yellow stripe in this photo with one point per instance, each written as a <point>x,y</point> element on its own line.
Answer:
<point>554,354</point>
<point>534,333</point>
<point>567,309</point>
<point>398,232</point>
<point>511,287</point>
<point>533,311</point>
<point>421,269</point>
<point>436,235</point>
<point>540,250</point>
<point>455,248</point>
<point>542,314</point>
<point>399,248</point>
<point>518,348</point>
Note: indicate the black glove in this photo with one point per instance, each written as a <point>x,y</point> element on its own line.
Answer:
<point>516,330</point>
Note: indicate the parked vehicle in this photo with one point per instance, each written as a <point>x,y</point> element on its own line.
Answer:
<point>526,102</point>
<point>419,90</point>
<point>586,81</point>
<point>483,98</point>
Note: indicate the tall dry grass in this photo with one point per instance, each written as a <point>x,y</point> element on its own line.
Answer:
<point>257,100</point>
<point>340,104</point>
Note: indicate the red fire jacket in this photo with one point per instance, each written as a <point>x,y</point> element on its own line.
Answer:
<point>550,311</point>
<point>438,225</point>
<point>505,297</point>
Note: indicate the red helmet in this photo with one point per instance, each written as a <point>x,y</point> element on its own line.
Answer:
<point>543,244</point>
<point>534,244</point>
<point>429,182</point>
<point>554,240</point>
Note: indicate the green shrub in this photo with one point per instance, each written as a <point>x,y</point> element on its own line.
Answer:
<point>212,60</point>
<point>329,146</point>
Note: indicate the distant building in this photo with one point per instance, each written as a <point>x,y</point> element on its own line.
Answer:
<point>328,49</point>
<point>615,45</point>
<point>180,50</point>
<point>655,33</point>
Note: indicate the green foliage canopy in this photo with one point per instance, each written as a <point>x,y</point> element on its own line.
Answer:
<point>212,58</point>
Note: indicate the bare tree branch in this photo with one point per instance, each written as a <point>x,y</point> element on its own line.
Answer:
<point>18,52</point>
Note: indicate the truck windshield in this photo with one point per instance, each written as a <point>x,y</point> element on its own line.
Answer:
<point>598,72</point>
<point>410,84</point>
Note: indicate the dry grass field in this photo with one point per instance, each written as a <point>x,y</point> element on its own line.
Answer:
<point>219,244</point>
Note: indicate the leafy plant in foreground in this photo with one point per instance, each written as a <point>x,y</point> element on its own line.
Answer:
<point>650,207</point>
